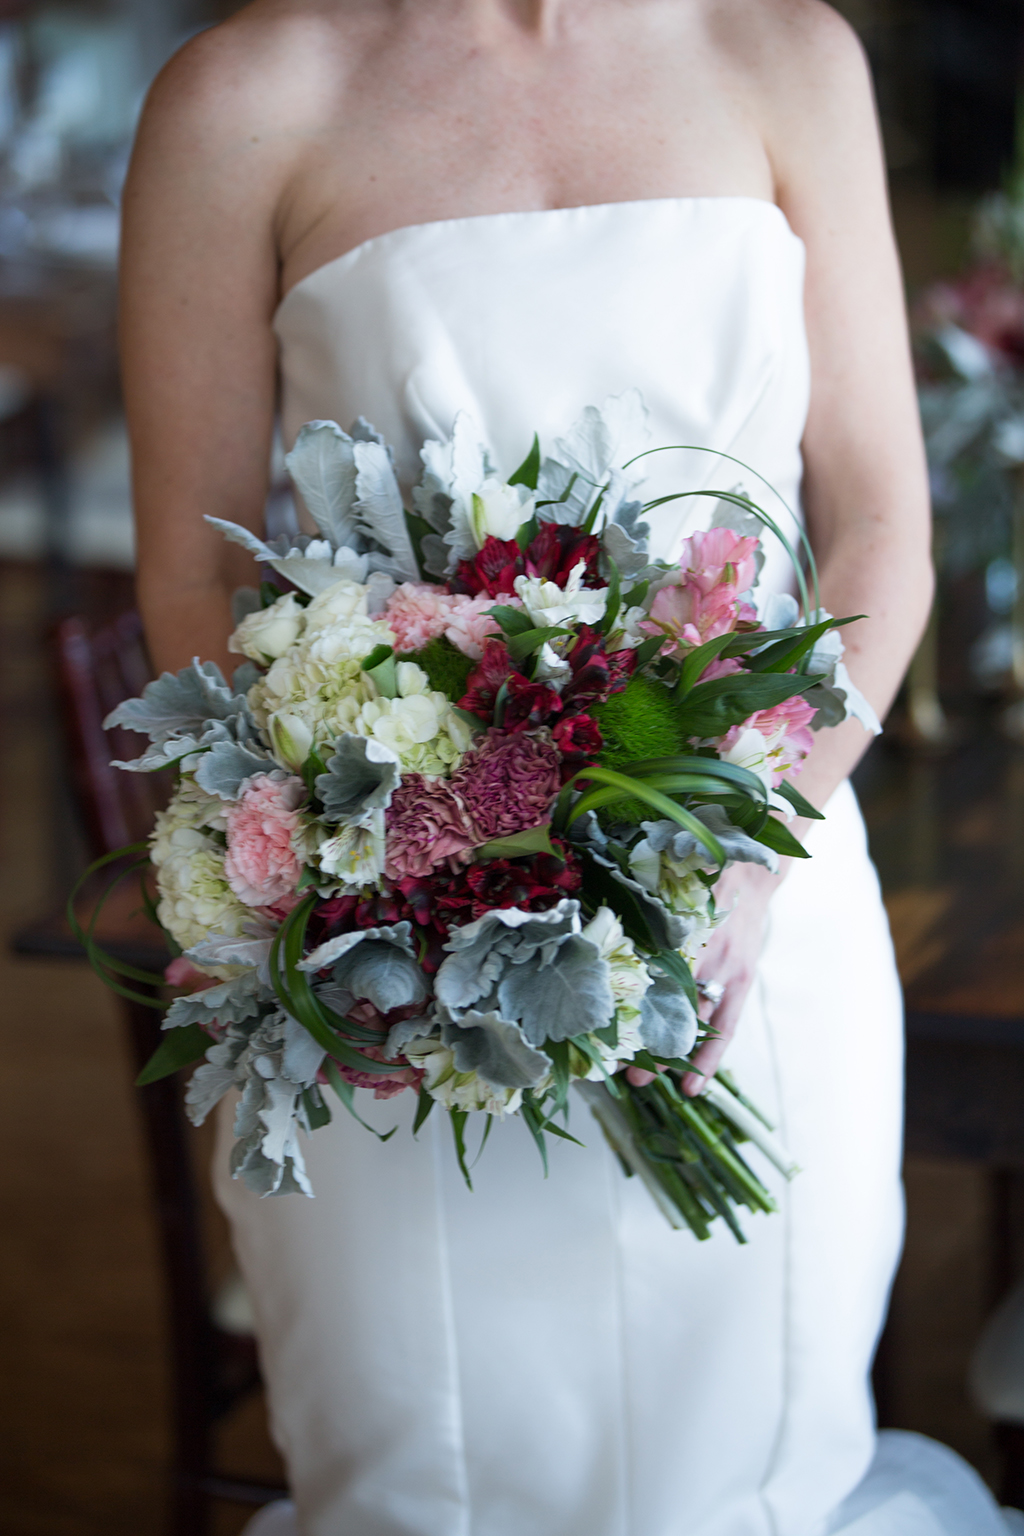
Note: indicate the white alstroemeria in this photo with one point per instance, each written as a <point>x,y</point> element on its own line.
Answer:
<point>499,510</point>
<point>354,856</point>
<point>614,1056</point>
<point>857,706</point>
<point>265,635</point>
<point>629,977</point>
<point>458,1090</point>
<point>551,669</point>
<point>549,604</point>
<point>753,751</point>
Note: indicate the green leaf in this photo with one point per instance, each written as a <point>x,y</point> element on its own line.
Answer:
<point>380,665</point>
<point>423,1108</point>
<point>648,649</point>
<point>511,621</point>
<point>177,1049</point>
<point>635,596</point>
<point>312,768</point>
<point>522,645</point>
<point>519,845</point>
<point>458,1118</point>
<point>672,963</point>
<point>641,790</point>
<point>529,470</point>
<point>800,805</point>
<point>730,774</point>
<point>713,708</point>
<point>535,1125</point>
<point>775,834</point>
<point>269,594</point>
<point>317,1112</point>
<point>418,528</point>
<point>611,607</point>
<point>346,1093</point>
<point>603,889</point>
<point>591,517</point>
<point>696,661</point>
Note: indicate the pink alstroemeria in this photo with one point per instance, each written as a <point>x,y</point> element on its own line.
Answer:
<point>787,739</point>
<point>703,601</point>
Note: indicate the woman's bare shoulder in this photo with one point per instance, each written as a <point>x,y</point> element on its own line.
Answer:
<point>269,72</point>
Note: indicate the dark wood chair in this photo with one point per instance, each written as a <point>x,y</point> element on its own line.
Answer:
<point>212,1365</point>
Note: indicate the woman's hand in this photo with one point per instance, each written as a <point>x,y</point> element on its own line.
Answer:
<point>730,960</point>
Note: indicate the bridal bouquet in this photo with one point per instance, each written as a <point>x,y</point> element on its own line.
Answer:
<point>454,829</point>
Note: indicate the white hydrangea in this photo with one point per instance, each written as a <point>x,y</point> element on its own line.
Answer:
<point>187,849</point>
<point>459,1090</point>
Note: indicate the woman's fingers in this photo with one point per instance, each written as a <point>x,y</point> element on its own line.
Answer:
<point>723,1021</point>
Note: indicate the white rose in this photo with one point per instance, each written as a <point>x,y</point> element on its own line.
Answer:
<point>267,634</point>
<point>499,511</point>
<point>341,601</point>
<point>549,604</point>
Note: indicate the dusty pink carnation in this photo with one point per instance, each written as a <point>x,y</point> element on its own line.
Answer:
<point>426,825</point>
<point>714,568</point>
<point>507,782</point>
<point>417,613</point>
<point>787,733</point>
<point>260,865</point>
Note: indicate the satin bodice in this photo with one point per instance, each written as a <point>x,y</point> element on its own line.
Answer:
<point>523,319</point>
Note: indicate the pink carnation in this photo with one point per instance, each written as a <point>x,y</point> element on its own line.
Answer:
<point>260,865</point>
<point>787,733</point>
<point>507,782</point>
<point>703,601</point>
<point>418,613</point>
<point>426,825</point>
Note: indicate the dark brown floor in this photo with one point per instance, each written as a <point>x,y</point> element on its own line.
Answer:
<point>83,1432</point>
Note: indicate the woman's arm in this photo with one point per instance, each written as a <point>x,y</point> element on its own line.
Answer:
<point>865,486</point>
<point>199,287</point>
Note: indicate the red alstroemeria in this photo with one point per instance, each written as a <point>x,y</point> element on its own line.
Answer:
<point>557,550</point>
<point>485,680</point>
<point>493,570</point>
<point>579,740</point>
<point>530,705</point>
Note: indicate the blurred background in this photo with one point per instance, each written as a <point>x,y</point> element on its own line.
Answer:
<point>124,1350</point>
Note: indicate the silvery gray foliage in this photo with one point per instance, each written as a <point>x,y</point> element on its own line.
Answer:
<point>272,1061</point>
<point>405,1030</point>
<point>244,676</point>
<point>361,777</point>
<point>178,704</point>
<point>496,1049</point>
<point>251,950</point>
<point>477,951</point>
<point>188,749</point>
<point>592,450</point>
<point>379,587</point>
<point>667,929</point>
<point>323,470</point>
<point>436,555</point>
<point>629,555</point>
<point>452,471</point>
<point>333,950</point>
<point>244,600</point>
<point>224,769</point>
<point>226,1002</point>
<point>379,968</point>
<point>310,564</point>
<point>380,515</point>
<point>668,1023</point>
<point>532,968</point>
<point>669,837</point>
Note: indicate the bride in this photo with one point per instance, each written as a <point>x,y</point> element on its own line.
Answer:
<point>407,208</point>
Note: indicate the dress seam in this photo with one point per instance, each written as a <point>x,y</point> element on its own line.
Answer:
<point>457,1427</point>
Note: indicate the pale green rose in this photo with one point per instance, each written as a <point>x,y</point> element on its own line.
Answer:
<point>290,739</point>
<point>267,634</point>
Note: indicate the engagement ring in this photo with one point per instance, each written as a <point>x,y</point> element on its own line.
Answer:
<point>712,991</point>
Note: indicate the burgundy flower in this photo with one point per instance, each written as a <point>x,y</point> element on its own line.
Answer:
<point>507,782</point>
<point>530,705</point>
<point>485,680</point>
<point>426,825</point>
<point>493,570</point>
<point>595,674</point>
<point>578,738</point>
<point>557,550</point>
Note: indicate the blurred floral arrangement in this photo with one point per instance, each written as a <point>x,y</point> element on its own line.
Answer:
<point>968,337</point>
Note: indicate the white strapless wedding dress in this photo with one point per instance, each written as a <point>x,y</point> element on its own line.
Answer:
<point>548,1358</point>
